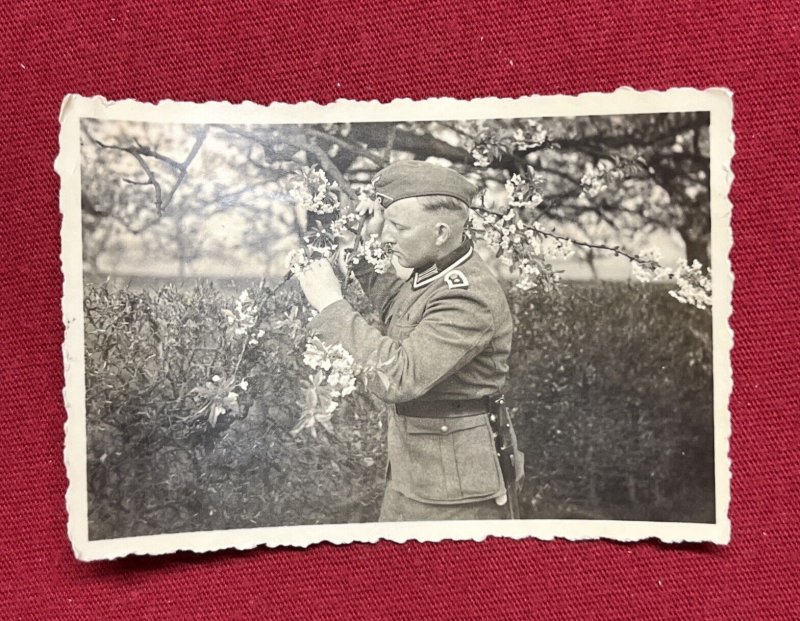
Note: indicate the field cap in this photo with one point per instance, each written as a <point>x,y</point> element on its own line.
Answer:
<point>412,178</point>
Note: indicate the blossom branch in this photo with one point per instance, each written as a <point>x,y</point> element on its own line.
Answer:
<point>565,238</point>
<point>356,245</point>
<point>301,143</point>
<point>327,165</point>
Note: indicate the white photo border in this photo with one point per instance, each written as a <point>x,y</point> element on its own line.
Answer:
<point>625,100</point>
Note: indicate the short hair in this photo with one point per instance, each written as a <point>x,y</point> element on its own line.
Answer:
<point>443,202</point>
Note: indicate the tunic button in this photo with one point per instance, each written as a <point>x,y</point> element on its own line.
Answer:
<point>444,428</point>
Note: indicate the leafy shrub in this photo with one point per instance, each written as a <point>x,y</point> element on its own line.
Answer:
<point>612,388</point>
<point>192,396</point>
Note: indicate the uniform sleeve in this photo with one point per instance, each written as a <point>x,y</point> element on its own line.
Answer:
<point>454,329</point>
<point>380,289</point>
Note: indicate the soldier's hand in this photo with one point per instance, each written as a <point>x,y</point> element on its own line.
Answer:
<point>320,285</point>
<point>374,223</point>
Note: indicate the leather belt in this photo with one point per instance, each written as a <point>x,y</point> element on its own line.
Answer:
<point>445,408</point>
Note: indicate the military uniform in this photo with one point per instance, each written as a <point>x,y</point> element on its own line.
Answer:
<point>447,343</point>
<point>444,354</point>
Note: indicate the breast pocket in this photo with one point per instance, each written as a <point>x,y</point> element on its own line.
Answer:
<point>452,459</point>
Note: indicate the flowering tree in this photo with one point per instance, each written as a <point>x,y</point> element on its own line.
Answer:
<point>549,189</point>
<point>605,178</point>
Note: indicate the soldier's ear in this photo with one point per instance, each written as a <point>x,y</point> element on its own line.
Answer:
<point>443,233</point>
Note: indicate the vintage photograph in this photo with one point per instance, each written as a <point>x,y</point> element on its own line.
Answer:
<point>414,320</point>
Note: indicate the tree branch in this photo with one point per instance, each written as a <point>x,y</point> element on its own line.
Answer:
<point>140,152</point>
<point>327,165</point>
<point>300,143</point>
<point>615,249</point>
<point>429,146</point>
<point>184,167</point>
<point>346,144</point>
<point>455,129</point>
<point>134,152</point>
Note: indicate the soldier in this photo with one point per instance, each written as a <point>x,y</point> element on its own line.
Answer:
<point>443,360</point>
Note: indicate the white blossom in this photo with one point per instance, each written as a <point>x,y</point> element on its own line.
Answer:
<point>339,227</point>
<point>525,249</point>
<point>524,191</point>
<point>531,137</point>
<point>244,314</point>
<point>599,178</point>
<point>694,287</point>
<point>375,253</point>
<point>337,365</point>
<point>481,156</point>
<point>312,191</point>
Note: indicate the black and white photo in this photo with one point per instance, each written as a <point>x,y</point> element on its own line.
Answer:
<point>416,320</point>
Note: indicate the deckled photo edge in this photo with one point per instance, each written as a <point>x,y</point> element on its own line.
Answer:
<point>67,165</point>
<point>717,101</point>
<point>722,153</point>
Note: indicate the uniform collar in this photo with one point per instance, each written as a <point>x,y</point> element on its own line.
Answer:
<point>423,277</point>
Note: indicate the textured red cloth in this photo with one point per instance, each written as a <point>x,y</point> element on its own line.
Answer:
<point>293,51</point>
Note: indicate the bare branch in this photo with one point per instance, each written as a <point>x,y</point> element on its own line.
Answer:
<point>151,178</point>
<point>346,144</point>
<point>457,130</point>
<point>428,145</point>
<point>299,142</point>
<point>559,173</point>
<point>148,152</point>
<point>140,152</point>
<point>184,167</point>
<point>555,201</point>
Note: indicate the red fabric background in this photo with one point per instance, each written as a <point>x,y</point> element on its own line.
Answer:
<point>293,51</point>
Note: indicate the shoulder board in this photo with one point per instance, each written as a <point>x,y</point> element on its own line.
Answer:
<point>456,279</point>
